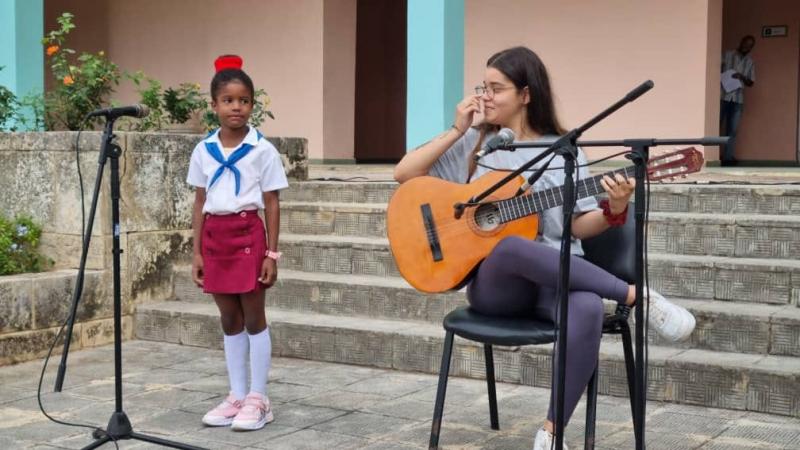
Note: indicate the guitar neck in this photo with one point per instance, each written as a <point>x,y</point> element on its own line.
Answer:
<point>526,205</point>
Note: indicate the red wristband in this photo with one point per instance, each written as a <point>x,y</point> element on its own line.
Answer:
<point>614,220</point>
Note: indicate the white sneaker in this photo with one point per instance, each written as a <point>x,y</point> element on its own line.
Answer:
<point>545,440</point>
<point>255,413</point>
<point>222,415</point>
<point>672,322</point>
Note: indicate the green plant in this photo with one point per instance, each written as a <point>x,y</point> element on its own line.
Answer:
<point>31,111</point>
<point>8,108</point>
<point>82,83</point>
<point>150,96</point>
<point>183,102</point>
<point>257,117</point>
<point>19,239</point>
<point>260,111</point>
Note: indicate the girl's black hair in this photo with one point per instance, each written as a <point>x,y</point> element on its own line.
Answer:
<point>524,68</point>
<point>226,76</point>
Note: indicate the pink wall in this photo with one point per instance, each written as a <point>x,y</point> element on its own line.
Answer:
<point>598,51</point>
<point>281,43</point>
<point>769,125</point>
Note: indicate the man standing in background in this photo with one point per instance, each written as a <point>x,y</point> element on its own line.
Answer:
<point>738,72</point>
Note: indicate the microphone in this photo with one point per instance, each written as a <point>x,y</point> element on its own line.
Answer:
<point>639,90</point>
<point>137,111</point>
<point>501,139</point>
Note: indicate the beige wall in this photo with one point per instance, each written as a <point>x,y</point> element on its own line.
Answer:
<point>281,43</point>
<point>768,130</point>
<point>338,79</point>
<point>598,51</point>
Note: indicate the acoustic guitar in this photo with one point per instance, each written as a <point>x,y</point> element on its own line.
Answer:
<point>435,251</point>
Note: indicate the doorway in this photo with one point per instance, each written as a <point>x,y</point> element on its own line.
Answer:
<point>380,94</point>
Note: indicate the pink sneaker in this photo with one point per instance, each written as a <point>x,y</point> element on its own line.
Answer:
<point>255,413</point>
<point>223,414</point>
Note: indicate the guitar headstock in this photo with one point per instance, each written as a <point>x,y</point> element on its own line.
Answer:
<point>678,163</point>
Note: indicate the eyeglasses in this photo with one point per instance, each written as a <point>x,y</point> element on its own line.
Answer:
<point>490,91</point>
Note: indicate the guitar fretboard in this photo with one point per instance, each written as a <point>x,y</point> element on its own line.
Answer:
<point>525,205</point>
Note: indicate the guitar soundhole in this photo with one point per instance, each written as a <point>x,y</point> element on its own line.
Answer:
<point>487,217</point>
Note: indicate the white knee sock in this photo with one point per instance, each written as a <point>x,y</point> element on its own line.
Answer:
<point>237,347</point>
<point>260,360</point>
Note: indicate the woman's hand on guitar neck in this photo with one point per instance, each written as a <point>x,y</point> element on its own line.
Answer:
<point>619,190</point>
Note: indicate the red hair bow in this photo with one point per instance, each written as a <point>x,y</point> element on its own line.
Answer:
<point>228,62</point>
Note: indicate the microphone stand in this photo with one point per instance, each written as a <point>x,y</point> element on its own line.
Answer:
<point>639,154</point>
<point>119,426</point>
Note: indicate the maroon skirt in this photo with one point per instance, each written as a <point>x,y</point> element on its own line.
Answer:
<point>233,247</point>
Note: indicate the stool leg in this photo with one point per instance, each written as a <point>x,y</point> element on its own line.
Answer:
<point>591,410</point>
<point>487,350</point>
<point>627,347</point>
<point>444,371</point>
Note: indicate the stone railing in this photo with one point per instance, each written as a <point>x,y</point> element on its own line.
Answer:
<point>40,179</point>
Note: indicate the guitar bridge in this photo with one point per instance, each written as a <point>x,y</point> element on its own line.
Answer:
<point>430,231</point>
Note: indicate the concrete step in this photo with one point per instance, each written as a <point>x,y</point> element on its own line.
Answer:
<point>342,219</point>
<point>734,235</point>
<point>774,281</point>
<point>692,276</point>
<point>741,235</point>
<point>667,197</point>
<point>699,377</point>
<point>721,326</point>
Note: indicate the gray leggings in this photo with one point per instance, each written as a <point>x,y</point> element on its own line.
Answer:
<point>520,276</point>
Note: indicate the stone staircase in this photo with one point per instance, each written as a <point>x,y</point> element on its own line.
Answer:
<point>727,253</point>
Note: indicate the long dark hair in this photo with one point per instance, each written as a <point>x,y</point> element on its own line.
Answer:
<point>524,68</point>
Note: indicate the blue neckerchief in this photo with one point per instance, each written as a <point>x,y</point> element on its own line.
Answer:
<point>230,163</point>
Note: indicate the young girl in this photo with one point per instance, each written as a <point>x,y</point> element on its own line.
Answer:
<point>236,172</point>
<point>520,276</point>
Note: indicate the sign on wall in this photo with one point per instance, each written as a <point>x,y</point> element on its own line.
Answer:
<point>774,31</point>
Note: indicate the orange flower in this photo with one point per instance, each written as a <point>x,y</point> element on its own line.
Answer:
<point>68,80</point>
<point>51,50</point>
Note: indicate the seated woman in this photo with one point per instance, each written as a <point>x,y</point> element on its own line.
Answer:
<point>520,276</point>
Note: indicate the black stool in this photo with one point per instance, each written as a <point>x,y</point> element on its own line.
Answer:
<point>614,251</point>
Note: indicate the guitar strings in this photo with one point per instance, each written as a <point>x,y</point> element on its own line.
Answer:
<point>455,227</point>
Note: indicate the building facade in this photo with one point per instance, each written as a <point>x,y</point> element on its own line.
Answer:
<point>364,80</point>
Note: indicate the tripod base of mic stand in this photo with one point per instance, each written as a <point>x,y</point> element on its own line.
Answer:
<point>120,428</point>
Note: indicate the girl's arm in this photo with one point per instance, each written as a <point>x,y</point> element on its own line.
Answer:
<point>197,234</point>
<point>592,223</point>
<point>272,213</point>
<point>589,224</point>
<point>419,161</point>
